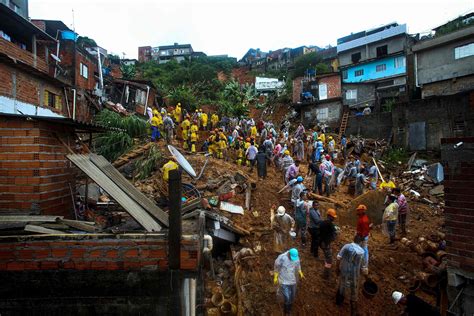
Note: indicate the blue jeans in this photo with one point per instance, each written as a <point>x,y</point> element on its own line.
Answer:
<point>391,228</point>
<point>289,294</point>
<point>155,133</point>
<point>365,246</point>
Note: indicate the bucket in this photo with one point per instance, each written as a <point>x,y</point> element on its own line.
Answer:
<point>414,286</point>
<point>217,299</point>
<point>227,308</point>
<point>429,279</point>
<point>369,289</point>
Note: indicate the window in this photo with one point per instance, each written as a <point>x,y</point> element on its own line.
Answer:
<point>382,51</point>
<point>355,57</point>
<point>380,68</point>
<point>84,71</point>
<point>322,114</point>
<point>52,100</point>
<point>400,62</point>
<point>344,74</point>
<point>464,51</point>
<point>351,94</point>
<point>140,97</point>
<point>323,91</point>
<point>359,73</point>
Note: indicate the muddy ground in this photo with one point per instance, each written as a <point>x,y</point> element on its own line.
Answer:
<point>392,267</point>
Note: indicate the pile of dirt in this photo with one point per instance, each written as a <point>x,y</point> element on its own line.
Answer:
<point>392,267</point>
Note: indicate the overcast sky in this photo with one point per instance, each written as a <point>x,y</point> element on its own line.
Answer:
<point>232,27</point>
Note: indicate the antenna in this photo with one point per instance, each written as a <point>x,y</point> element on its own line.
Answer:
<point>73,23</point>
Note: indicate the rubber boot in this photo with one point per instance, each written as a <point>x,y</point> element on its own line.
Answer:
<point>185,145</point>
<point>339,298</point>
<point>326,273</point>
<point>354,308</point>
<point>193,148</point>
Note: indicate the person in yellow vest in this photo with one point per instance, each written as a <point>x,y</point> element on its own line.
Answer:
<point>177,113</point>
<point>214,120</point>
<point>222,145</point>
<point>185,125</point>
<point>155,132</point>
<point>213,143</point>
<point>239,145</point>
<point>167,167</point>
<point>253,132</point>
<point>323,138</point>
<point>194,139</point>
<point>204,119</point>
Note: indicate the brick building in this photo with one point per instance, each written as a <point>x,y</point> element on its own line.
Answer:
<point>144,54</point>
<point>319,99</point>
<point>459,215</point>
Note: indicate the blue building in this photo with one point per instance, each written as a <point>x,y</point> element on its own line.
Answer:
<point>373,66</point>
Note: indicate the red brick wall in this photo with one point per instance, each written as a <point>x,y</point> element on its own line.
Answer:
<point>82,82</point>
<point>459,209</point>
<point>333,84</point>
<point>115,71</point>
<point>23,55</point>
<point>142,57</point>
<point>297,89</point>
<point>34,168</point>
<point>29,88</point>
<point>94,254</point>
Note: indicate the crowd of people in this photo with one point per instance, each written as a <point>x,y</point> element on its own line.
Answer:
<point>262,144</point>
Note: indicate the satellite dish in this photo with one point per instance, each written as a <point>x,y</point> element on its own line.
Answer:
<point>56,58</point>
<point>182,161</point>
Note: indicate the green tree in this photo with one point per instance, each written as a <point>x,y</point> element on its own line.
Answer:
<point>128,71</point>
<point>84,41</point>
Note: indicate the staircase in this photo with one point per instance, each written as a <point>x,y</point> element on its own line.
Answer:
<point>342,128</point>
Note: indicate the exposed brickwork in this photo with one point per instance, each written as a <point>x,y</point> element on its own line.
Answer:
<point>96,254</point>
<point>459,209</point>
<point>34,170</point>
<point>333,83</point>
<point>144,54</point>
<point>23,55</point>
<point>297,89</point>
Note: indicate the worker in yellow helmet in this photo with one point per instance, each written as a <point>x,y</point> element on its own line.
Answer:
<point>213,144</point>
<point>323,137</point>
<point>222,145</point>
<point>253,132</point>
<point>214,120</point>
<point>185,125</point>
<point>155,132</point>
<point>177,113</point>
<point>194,135</point>
<point>204,119</point>
<point>167,167</point>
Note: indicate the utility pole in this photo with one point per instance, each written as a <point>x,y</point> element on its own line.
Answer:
<point>174,241</point>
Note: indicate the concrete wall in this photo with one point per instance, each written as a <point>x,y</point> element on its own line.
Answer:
<point>448,87</point>
<point>365,94</point>
<point>438,63</point>
<point>370,69</point>
<point>309,114</point>
<point>394,45</point>
<point>376,125</point>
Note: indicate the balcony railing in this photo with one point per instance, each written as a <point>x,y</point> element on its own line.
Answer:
<point>23,55</point>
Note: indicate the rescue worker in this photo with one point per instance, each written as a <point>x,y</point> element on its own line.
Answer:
<point>167,167</point>
<point>414,305</point>
<point>287,265</point>
<point>282,224</point>
<point>185,125</point>
<point>314,223</point>
<point>253,132</point>
<point>286,162</point>
<point>363,228</point>
<point>301,213</point>
<point>204,119</point>
<point>350,259</point>
<point>327,234</point>
<point>251,155</point>
<point>261,163</point>
<point>389,218</point>
<point>239,147</point>
<point>402,209</point>
<point>194,136</point>
<point>213,144</point>
<point>155,121</point>
<point>222,145</point>
<point>169,128</point>
<point>331,147</point>
<point>297,189</point>
<point>214,120</point>
<point>177,113</point>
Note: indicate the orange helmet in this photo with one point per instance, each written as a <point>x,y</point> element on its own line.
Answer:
<point>248,139</point>
<point>361,208</point>
<point>332,212</point>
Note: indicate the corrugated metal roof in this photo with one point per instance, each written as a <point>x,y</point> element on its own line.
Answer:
<point>98,176</point>
<point>110,171</point>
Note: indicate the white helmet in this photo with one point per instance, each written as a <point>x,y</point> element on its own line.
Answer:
<point>281,211</point>
<point>396,297</point>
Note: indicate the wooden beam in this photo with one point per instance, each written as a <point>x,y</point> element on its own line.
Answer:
<point>318,197</point>
<point>79,225</point>
<point>30,218</point>
<point>42,230</point>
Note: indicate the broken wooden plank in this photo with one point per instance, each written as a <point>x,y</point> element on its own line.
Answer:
<point>78,225</point>
<point>42,230</point>
<point>325,199</point>
<point>30,218</point>
<point>248,195</point>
